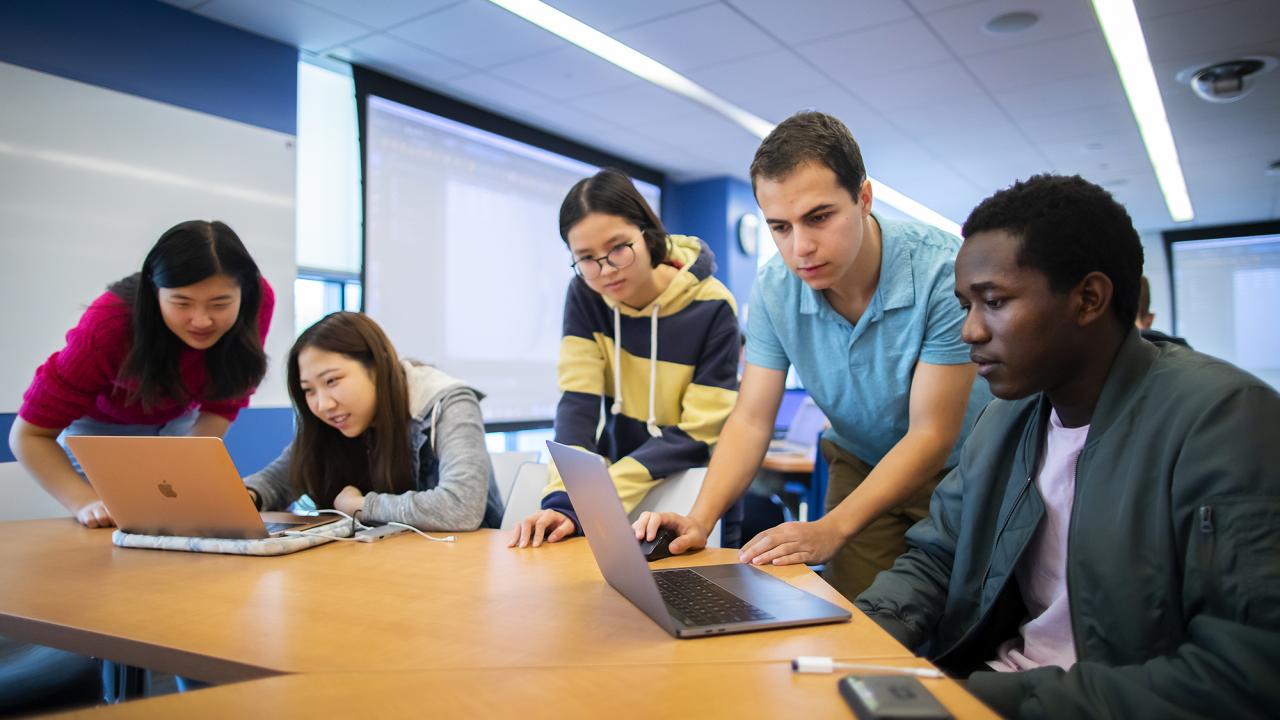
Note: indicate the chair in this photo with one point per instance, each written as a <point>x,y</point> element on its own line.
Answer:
<point>676,494</point>
<point>24,499</point>
<point>525,496</point>
<point>505,467</point>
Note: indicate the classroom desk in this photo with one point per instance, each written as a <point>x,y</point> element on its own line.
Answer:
<point>400,604</point>
<point>788,462</point>
<point>698,690</point>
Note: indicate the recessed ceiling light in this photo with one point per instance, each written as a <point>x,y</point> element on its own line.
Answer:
<point>1011,22</point>
<point>637,63</point>
<point>1123,33</point>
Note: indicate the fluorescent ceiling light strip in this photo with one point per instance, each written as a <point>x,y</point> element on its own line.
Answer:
<point>645,67</point>
<point>1123,32</point>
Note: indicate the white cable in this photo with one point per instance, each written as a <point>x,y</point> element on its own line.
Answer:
<point>356,523</point>
<point>818,664</point>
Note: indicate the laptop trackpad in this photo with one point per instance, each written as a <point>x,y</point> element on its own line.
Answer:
<point>749,583</point>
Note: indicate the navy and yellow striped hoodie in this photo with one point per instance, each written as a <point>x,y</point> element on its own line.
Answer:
<point>675,393</point>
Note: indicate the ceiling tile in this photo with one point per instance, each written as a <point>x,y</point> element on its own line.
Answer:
<point>1212,29</point>
<point>798,21</point>
<point>1059,59</point>
<point>479,34</point>
<point>925,7</point>
<point>1076,124</point>
<point>1148,9</point>
<point>710,135</point>
<point>613,15</point>
<point>289,22</point>
<point>396,57</point>
<point>770,74</point>
<point>963,28</point>
<point>951,119</point>
<point>638,104</point>
<point>495,94</point>
<point>909,43</point>
<point>698,38</point>
<point>916,88</point>
<point>776,108</point>
<point>566,74</point>
<point>1048,98</point>
<point>383,13</point>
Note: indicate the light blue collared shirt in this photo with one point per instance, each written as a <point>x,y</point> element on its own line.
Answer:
<point>860,375</point>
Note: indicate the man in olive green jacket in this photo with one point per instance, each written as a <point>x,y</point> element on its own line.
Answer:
<point>1142,577</point>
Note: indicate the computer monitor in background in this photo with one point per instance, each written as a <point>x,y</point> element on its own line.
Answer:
<point>464,265</point>
<point>1226,294</point>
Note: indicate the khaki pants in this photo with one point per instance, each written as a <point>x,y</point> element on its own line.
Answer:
<point>854,566</point>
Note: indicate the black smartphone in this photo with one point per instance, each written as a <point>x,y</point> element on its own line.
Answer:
<point>890,697</point>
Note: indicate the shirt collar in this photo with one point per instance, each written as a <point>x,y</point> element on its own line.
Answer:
<point>897,287</point>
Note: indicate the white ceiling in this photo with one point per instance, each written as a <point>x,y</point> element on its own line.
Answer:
<point>945,111</point>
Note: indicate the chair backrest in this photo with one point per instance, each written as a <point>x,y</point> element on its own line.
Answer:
<point>505,467</point>
<point>24,498</point>
<point>525,496</point>
<point>676,494</point>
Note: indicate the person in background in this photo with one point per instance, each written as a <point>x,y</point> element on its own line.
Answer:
<point>862,307</point>
<point>1109,545</point>
<point>650,340</point>
<point>175,349</point>
<point>380,438</point>
<point>1146,318</point>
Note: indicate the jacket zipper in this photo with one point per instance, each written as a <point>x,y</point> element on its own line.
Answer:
<point>1071,529</point>
<point>1205,514</point>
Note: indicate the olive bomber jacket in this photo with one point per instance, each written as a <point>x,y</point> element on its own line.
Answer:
<point>1173,562</point>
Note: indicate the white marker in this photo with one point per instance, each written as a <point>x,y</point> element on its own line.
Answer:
<point>816,664</point>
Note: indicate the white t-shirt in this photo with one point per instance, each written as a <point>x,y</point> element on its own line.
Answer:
<point>1046,639</point>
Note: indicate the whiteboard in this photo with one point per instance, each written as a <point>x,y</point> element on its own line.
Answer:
<point>90,178</point>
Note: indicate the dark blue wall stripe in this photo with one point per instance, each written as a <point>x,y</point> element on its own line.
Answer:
<point>156,51</point>
<point>710,210</point>
<point>255,438</point>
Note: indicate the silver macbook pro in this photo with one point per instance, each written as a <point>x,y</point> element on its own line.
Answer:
<point>686,602</point>
<point>185,486</point>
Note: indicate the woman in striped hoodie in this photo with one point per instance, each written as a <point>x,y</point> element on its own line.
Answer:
<point>655,407</point>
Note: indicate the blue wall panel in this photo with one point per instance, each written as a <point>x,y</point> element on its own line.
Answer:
<point>710,210</point>
<point>255,438</point>
<point>156,51</point>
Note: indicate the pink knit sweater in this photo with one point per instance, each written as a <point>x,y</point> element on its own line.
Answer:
<point>82,379</point>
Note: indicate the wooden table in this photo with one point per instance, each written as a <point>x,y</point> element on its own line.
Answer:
<point>699,690</point>
<point>396,605</point>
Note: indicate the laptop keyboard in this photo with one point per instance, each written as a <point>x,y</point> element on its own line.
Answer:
<point>275,527</point>
<point>699,601</point>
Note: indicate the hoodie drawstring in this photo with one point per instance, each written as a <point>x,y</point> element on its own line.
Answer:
<point>617,362</point>
<point>651,424</point>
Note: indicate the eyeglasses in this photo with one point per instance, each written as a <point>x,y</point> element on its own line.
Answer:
<point>621,256</point>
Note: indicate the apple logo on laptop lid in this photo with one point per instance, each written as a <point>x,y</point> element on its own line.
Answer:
<point>166,489</point>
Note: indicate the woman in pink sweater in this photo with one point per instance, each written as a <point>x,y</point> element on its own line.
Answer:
<point>175,349</point>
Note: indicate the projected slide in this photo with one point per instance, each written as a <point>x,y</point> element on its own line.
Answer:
<point>1227,294</point>
<point>465,268</point>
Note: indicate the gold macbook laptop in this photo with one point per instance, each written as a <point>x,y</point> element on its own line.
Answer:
<point>185,486</point>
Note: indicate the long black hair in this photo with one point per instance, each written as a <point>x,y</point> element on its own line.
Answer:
<point>185,254</point>
<point>611,192</point>
<point>324,460</point>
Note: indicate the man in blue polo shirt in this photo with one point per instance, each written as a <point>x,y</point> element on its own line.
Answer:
<point>865,310</point>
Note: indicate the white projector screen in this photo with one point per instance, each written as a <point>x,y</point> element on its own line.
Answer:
<point>1227,294</point>
<point>464,265</point>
